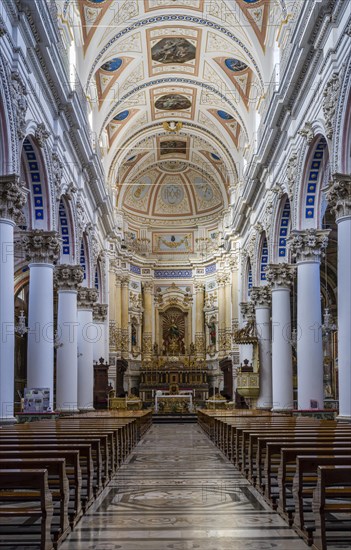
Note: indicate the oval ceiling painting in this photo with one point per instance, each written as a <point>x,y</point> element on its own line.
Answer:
<point>121,116</point>
<point>235,65</point>
<point>172,102</point>
<point>173,50</point>
<point>224,115</point>
<point>112,65</point>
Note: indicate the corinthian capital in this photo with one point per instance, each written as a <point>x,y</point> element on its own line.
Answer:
<point>148,286</point>
<point>125,281</point>
<point>247,310</point>
<point>100,312</point>
<point>13,196</point>
<point>308,245</point>
<point>280,275</point>
<point>339,195</point>
<point>68,277</point>
<point>41,246</point>
<point>199,286</point>
<point>261,296</point>
<point>87,297</point>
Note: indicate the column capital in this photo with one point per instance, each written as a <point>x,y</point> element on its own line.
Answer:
<point>280,275</point>
<point>308,245</point>
<point>339,195</point>
<point>148,286</point>
<point>68,277</point>
<point>125,281</point>
<point>87,297</point>
<point>223,279</point>
<point>13,196</point>
<point>42,247</point>
<point>247,310</point>
<point>199,286</point>
<point>100,313</point>
<point>261,296</point>
<point>118,280</point>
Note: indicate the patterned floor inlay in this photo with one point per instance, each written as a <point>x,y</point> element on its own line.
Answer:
<point>177,492</point>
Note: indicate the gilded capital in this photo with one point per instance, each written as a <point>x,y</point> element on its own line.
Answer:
<point>261,296</point>
<point>308,245</point>
<point>100,313</point>
<point>87,297</point>
<point>13,196</point>
<point>339,195</point>
<point>280,275</point>
<point>68,277</point>
<point>41,246</point>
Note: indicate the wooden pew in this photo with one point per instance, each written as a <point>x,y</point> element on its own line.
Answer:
<point>58,486</point>
<point>73,472</point>
<point>303,462</point>
<point>332,495</point>
<point>26,494</point>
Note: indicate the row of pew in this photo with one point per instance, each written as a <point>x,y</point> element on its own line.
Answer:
<point>51,472</point>
<point>300,465</point>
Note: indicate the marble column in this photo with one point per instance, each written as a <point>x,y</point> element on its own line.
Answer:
<point>86,338</point>
<point>228,312</point>
<point>339,197</point>
<point>67,279</point>
<point>147,320</point>
<point>261,297</point>
<point>13,196</point>
<point>99,318</point>
<point>125,317</point>
<point>280,278</point>
<point>307,247</point>
<point>43,251</point>
<point>113,306</point>
<point>235,350</point>
<point>199,320</point>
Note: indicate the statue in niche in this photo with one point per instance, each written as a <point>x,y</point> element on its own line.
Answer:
<point>212,332</point>
<point>173,330</point>
<point>134,336</point>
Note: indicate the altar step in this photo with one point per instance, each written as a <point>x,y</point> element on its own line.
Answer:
<point>174,418</point>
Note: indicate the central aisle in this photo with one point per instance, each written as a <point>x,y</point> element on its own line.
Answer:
<point>178,492</point>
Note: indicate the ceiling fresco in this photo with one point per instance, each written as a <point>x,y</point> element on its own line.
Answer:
<point>199,67</point>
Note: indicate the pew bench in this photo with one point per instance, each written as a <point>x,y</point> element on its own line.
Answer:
<point>25,495</point>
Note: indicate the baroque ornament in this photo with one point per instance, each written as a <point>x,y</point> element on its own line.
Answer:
<point>57,171</point>
<point>41,246</point>
<point>280,275</point>
<point>41,134</point>
<point>330,95</point>
<point>68,277</point>
<point>339,195</point>
<point>261,296</point>
<point>13,196</point>
<point>308,245</point>
<point>87,297</point>
<point>20,103</point>
<point>307,132</point>
<point>247,310</point>
<point>291,170</point>
<point>100,313</point>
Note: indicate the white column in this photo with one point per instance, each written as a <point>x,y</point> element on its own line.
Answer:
<point>43,250</point>
<point>99,318</point>
<point>306,247</point>
<point>339,197</point>
<point>86,337</point>
<point>280,277</point>
<point>261,297</point>
<point>67,280</point>
<point>12,198</point>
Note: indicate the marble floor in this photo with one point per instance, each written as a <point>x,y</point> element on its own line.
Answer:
<point>178,492</point>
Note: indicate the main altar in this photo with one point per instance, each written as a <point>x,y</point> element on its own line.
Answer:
<point>171,380</point>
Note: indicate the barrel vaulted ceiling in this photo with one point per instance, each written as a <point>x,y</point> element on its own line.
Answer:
<point>198,67</point>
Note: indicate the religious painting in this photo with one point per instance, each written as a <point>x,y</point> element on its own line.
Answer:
<point>173,50</point>
<point>172,102</point>
<point>173,332</point>
<point>174,146</point>
<point>172,243</point>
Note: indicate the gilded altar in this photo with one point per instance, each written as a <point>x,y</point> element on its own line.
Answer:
<point>162,373</point>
